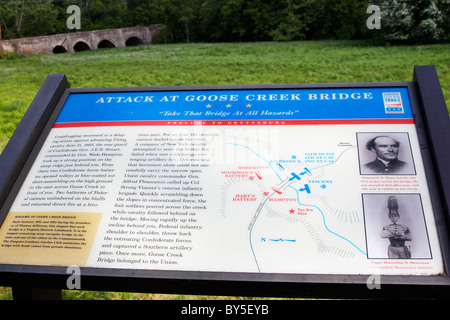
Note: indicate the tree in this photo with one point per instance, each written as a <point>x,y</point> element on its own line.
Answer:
<point>292,21</point>
<point>341,19</point>
<point>444,8</point>
<point>257,20</point>
<point>106,14</point>
<point>28,18</point>
<point>12,16</point>
<point>232,21</point>
<point>413,20</point>
<point>188,10</point>
<point>163,12</point>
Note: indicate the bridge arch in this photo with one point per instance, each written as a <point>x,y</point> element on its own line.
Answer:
<point>59,49</point>
<point>105,43</point>
<point>133,41</point>
<point>81,46</point>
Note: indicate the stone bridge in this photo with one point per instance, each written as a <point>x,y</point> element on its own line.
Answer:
<point>82,41</point>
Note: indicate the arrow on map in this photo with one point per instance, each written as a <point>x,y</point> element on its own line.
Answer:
<point>282,240</point>
<point>276,190</point>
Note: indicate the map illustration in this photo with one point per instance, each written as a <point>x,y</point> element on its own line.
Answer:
<point>291,205</point>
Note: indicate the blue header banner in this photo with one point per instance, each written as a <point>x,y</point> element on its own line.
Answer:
<point>265,104</point>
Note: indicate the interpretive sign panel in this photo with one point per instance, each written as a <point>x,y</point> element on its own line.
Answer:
<point>258,180</point>
<point>284,181</point>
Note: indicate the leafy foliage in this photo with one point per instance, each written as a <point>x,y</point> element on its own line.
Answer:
<point>415,20</point>
<point>235,20</point>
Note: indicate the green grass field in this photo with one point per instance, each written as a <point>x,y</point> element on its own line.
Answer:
<point>213,64</point>
<point>210,64</point>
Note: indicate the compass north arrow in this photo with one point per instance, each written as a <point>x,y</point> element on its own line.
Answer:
<point>281,240</point>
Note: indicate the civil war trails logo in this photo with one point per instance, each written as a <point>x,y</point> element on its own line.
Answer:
<point>392,102</point>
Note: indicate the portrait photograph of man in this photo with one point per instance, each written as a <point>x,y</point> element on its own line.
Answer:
<point>395,227</point>
<point>385,154</point>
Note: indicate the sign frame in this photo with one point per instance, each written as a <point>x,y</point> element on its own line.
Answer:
<point>433,127</point>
